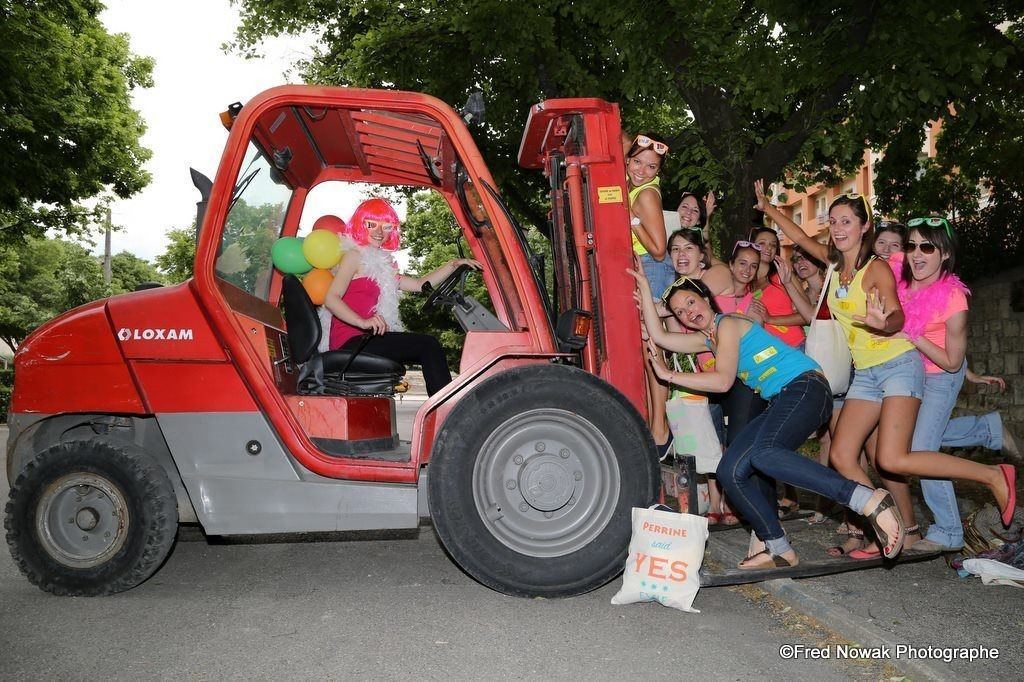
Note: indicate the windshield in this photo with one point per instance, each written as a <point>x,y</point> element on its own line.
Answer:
<point>255,216</point>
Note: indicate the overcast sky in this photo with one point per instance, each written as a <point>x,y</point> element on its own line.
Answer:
<point>194,81</point>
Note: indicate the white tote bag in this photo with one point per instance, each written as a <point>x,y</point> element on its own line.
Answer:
<point>826,344</point>
<point>693,431</point>
<point>665,555</point>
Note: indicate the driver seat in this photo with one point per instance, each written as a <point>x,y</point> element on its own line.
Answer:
<point>336,372</point>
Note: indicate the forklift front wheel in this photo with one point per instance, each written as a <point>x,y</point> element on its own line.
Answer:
<point>532,479</point>
<point>89,517</point>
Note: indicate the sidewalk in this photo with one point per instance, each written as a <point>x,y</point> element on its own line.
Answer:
<point>917,604</point>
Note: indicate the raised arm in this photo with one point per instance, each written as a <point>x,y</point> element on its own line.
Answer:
<point>789,228</point>
<point>722,377</point>
<point>803,305</point>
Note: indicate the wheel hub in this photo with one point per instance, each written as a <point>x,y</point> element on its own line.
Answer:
<point>546,484</point>
<point>82,520</point>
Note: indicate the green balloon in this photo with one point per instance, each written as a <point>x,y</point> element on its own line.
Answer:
<point>287,256</point>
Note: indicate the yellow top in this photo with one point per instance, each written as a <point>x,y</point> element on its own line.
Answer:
<point>655,184</point>
<point>867,347</point>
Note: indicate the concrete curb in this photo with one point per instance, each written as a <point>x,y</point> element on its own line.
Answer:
<point>836,618</point>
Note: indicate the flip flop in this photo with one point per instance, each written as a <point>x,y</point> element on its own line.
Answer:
<point>777,562</point>
<point>788,508</point>
<point>1010,476</point>
<point>865,553</point>
<point>889,549</point>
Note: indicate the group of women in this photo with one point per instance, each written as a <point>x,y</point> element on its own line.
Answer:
<point>893,291</point>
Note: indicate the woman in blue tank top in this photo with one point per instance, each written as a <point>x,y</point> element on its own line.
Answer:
<point>799,403</point>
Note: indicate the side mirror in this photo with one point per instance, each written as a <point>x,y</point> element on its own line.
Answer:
<point>204,185</point>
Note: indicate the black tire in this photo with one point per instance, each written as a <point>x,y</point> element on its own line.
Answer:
<point>533,477</point>
<point>88,518</point>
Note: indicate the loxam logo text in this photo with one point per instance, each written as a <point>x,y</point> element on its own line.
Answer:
<point>155,334</point>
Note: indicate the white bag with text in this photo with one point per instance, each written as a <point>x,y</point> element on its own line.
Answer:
<point>665,555</point>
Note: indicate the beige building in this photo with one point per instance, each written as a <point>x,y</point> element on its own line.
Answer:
<point>809,209</point>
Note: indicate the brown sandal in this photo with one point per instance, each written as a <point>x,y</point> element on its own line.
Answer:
<point>777,562</point>
<point>887,503</point>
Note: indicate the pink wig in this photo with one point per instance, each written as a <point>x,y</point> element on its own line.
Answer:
<point>381,211</point>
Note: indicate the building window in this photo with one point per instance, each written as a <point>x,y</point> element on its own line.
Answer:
<point>821,208</point>
<point>798,217</point>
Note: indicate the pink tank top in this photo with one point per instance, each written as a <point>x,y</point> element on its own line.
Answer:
<point>361,296</point>
<point>728,303</point>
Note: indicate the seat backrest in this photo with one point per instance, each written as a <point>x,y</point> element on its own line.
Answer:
<point>300,319</point>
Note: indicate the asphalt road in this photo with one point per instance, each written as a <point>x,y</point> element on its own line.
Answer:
<point>347,607</point>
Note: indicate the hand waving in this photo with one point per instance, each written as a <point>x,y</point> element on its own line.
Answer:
<point>762,200</point>
<point>785,269</point>
<point>709,204</point>
<point>876,314</point>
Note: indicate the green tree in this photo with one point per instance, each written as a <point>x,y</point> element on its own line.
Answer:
<point>66,123</point>
<point>129,271</point>
<point>41,278</point>
<point>177,260</point>
<point>431,234</point>
<point>743,89</point>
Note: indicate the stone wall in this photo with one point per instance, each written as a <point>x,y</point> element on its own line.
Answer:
<point>995,345</point>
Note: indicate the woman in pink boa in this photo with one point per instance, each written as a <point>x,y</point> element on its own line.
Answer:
<point>934,303</point>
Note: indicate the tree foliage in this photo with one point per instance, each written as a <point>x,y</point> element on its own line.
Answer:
<point>177,259</point>
<point>743,89</point>
<point>66,122</point>
<point>41,278</point>
<point>128,271</point>
<point>431,234</point>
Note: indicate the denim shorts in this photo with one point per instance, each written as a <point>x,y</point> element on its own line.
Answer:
<point>903,376</point>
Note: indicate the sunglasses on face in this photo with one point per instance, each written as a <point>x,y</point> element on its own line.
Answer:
<point>644,142</point>
<point>934,221</point>
<point>927,248</point>
<point>374,224</point>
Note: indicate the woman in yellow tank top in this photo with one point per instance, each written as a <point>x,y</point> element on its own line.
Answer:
<point>881,405</point>
<point>644,158</point>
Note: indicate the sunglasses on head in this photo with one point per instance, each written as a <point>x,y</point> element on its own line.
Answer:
<point>853,196</point>
<point>745,245</point>
<point>676,286</point>
<point>933,221</point>
<point>644,142</point>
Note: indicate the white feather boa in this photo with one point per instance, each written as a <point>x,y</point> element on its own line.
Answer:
<point>380,266</point>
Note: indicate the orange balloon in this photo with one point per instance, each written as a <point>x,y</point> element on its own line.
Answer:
<point>330,222</point>
<point>316,282</point>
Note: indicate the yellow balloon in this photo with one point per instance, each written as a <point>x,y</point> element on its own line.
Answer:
<point>322,249</point>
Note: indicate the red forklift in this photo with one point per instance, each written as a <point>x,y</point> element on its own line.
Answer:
<point>196,403</point>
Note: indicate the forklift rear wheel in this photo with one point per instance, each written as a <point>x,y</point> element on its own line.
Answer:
<point>88,518</point>
<point>532,479</point>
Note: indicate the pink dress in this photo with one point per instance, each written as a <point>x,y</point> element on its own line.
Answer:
<point>361,296</point>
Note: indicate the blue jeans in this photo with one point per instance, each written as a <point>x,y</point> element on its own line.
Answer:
<point>933,430</point>
<point>974,430</point>
<point>766,449</point>
<point>659,274</point>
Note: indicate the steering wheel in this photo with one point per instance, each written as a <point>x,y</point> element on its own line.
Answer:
<point>445,292</point>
